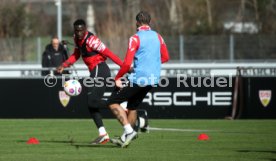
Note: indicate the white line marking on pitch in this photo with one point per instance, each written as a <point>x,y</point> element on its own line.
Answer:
<point>179,130</point>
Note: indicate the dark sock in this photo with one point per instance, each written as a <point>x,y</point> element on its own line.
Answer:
<point>137,124</point>
<point>97,117</point>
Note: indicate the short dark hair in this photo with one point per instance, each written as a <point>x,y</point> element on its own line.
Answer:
<point>54,37</point>
<point>79,22</point>
<point>143,17</point>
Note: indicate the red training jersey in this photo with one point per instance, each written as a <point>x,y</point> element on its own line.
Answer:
<point>93,44</point>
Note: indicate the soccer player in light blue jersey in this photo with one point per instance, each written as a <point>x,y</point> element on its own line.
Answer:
<point>147,51</point>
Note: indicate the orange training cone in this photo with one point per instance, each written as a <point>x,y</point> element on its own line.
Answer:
<point>33,141</point>
<point>203,137</point>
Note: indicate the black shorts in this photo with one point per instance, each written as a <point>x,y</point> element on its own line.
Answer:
<point>132,93</point>
<point>95,93</point>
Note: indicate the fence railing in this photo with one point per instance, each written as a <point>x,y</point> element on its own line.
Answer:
<point>182,48</point>
<point>229,48</point>
<point>168,70</point>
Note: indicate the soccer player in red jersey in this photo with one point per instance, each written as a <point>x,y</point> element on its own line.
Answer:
<point>94,54</point>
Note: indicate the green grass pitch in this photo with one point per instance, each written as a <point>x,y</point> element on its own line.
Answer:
<point>68,140</point>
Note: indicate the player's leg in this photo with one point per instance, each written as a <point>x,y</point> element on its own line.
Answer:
<point>133,104</point>
<point>116,98</point>
<point>94,105</point>
<point>130,93</point>
<point>95,102</point>
<point>121,115</point>
<point>129,133</point>
<point>142,120</point>
<point>129,114</point>
<point>132,118</point>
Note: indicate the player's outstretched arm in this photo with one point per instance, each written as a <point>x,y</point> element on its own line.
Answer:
<point>60,69</point>
<point>112,56</point>
<point>67,63</point>
<point>96,44</point>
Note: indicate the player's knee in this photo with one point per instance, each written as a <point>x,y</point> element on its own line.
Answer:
<point>112,106</point>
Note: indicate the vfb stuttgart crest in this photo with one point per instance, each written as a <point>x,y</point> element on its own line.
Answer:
<point>63,98</point>
<point>265,97</point>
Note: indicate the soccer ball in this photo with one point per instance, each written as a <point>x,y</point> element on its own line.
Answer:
<point>72,87</point>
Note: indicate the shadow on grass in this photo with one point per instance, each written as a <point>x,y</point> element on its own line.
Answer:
<point>270,159</point>
<point>75,144</point>
<point>108,145</point>
<point>258,151</point>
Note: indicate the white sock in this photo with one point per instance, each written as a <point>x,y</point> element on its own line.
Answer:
<point>128,129</point>
<point>102,131</point>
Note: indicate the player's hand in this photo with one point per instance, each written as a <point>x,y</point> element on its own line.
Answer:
<point>60,69</point>
<point>118,83</point>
